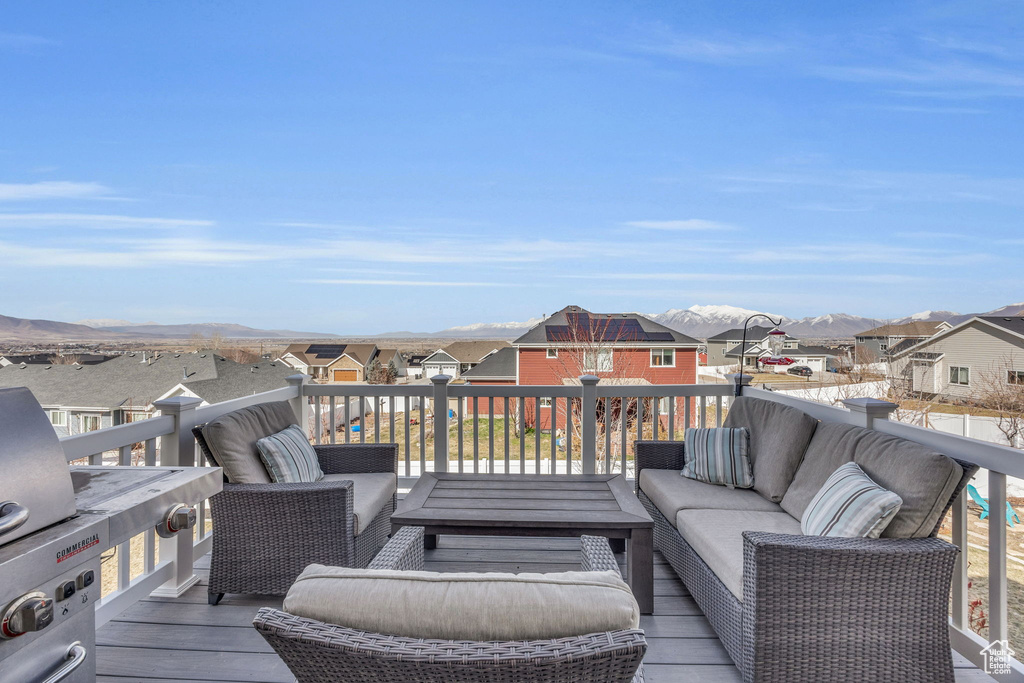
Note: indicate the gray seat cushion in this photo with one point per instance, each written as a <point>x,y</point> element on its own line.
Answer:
<point>924,479</point>
<point>670,492</point>
<point>232,439</point>
<point>717,536</point>
<point>778,438</point>
<point>464,606</point>
<point>370,491</point>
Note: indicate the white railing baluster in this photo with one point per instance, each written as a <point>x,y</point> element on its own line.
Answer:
<point>316,421</point>
<point>362,419</point>
<point>347,401</point>
<point>507,458</point>
<point>490,435</point>
<point>408,436</point>
<point>688,409</point>
<point>522,435</point>
<point>718,411</point>
<point>608,459</point>
<point>623,428</point>
<point>553,431</point>
<point>536,436</point>
<point>476,435</point>
<point>461,436</point>
<point>391,419</point>
<point>332,420</point>
<point>376,420</point>
<point>655,416</point>
<point>703,411</point>
<point>423,436</point>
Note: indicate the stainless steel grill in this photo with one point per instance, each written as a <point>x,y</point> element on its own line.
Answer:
<point>55,521</point>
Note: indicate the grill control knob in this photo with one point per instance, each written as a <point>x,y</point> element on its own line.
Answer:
<point>30,612</point>
<point>179,517</point>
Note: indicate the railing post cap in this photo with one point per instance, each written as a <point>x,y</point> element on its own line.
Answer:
<point>740,378</point>
<point>176,404</point>
<point>589,379</point>
<point>297,379</point>
<point>872,406</point>
<point>441,379</point>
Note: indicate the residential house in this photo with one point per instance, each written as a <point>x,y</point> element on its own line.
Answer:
<point>393,358</point>
<point>331,362</point>
<point>962,363</point>
<point>414,365</point>
<point>883,342</point>
<point>617,347</point>
<point>499,368</point>
<point>458,357</point>
<point>724,349</point>
<point>83,398</point>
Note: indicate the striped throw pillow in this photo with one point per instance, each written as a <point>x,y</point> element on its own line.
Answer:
<point>718,456</point>
<point>850,505</point>
<point>288,457</point>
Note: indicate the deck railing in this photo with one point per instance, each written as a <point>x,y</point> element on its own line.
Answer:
<point>587,427</point>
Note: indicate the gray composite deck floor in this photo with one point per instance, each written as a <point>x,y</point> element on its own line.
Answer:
<point>186,640</point>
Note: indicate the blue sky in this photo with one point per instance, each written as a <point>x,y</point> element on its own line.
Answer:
<point>412,166</point>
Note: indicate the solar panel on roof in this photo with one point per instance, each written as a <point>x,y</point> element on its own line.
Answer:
<point>660,336</point>
<point>326,350</point>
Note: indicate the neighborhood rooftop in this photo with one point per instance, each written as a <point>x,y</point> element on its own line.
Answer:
<point>577,325</point>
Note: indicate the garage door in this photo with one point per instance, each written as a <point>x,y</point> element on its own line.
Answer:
<point>346,375</point>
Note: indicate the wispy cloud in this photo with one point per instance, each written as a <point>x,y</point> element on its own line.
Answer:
<point>95,221</point>
<point>689,224</point>
<point>863,254</point>
<point>52,189</point>
<point>911,109</point>
<point>660,39</point>
<point>23,41</point>
<point>407,283</point>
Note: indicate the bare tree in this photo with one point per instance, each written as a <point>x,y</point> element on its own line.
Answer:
<point>1001,389</point>
<point>593,345</point>
<point>64,359</point>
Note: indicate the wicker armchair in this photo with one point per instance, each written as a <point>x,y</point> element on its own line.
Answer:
<point>268,533</point>
<point>818,608</point>
<point>317,652</point>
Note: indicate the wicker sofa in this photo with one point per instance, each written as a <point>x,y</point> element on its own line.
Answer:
<point>268,532</point>
<point>320,652</point>
<point>793,608</point>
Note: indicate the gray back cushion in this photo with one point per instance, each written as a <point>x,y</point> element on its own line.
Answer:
<point>232,439</point>
<point>924,479</point>
<point>778,438</point>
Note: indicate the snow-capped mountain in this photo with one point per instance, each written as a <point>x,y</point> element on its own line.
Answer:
<point>702,321</point>
<point>490,330</point>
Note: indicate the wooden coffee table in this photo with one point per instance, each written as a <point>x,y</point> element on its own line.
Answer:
<point>536,505</point>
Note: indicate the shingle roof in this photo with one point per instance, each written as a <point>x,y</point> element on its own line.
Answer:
<point>439,357</point>
<point>472,351</point>
<point>918,328</point>
<point>1013,324</point>
<point>360,353</point>
<point>500,365</point>
<point>755,332</point>
<point>131,381</point>
<point>800,350</point>
<point>903,345</point>
<point>575,324</point>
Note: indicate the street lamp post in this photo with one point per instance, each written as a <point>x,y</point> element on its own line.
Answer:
<point>775,343</point>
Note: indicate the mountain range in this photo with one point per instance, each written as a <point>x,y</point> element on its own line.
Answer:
<point>704,321</point>
<point>695,321</point>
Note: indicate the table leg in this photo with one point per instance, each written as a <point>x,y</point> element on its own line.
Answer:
<point>618,545</point>
<point>640,568</point>
<point>429,541</point>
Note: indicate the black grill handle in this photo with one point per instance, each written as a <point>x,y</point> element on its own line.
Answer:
<point>12,516</point>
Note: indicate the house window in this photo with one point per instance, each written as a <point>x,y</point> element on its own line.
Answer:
<point>545,402</point>
<point>663,358</point>
<point>58,418</point>
<point>136,416</point>
<point>598,361</point>
<point>90,423</point>
<point>552,353</point>
<point>882,346</point>
<point>959,375</point>
<point>1015,376</point>
<point>789,345</point>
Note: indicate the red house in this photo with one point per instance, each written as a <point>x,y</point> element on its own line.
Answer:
<point>620,348</point>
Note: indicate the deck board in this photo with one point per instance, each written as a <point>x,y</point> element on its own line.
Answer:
<point>185,640</point>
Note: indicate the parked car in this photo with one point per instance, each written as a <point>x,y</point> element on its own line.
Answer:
<point>801,370</point>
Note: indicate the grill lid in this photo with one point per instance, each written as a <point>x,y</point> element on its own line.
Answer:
<point>35,477</point>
